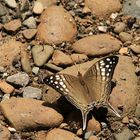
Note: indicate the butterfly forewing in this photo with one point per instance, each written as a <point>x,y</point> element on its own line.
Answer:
<point>98,78</point>
<point>70,87</point>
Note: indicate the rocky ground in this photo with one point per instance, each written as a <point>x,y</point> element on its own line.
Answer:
<point>41,37</point>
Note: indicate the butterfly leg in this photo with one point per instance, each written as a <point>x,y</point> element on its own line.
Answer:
<point>108,105</point>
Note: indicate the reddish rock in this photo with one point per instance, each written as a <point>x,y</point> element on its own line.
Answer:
<point>60,134</point>
<point>29,114</point>
<point>9,51</point>
<point>4,133</point>
<point>52,33</point>
<point>103,9</point>
<point>6,88</point>
<point>97,45</point>
<point>13,25</point>
<point>93,125</point>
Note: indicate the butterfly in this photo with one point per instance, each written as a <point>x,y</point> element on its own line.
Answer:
<point>87,91</point>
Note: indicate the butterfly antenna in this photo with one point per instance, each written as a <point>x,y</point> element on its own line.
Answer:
<point>113,109</point>
<point>84,117</point>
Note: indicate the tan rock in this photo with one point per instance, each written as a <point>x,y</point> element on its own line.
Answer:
<point>8,51</point>
<point>38,7</point>
<point>29,33</point>
<point>119,27</point>
<point>93,125</point>
<point>97,45</point>
<point>103,9</point>
<point>93,138</point>
<point>29,114</point>
<point>123,51</point>
<point>60,134</point>
<point>60,58</point>
<point>125,37</point>
<point>135,48</point>
<point>48,3</point>
<point>124,94</point>
<point>13,25</point>
<point>52,33</point>
<point>25,62</point>
<point>40,135</point>
<point>4,133</point>
<point>6,88</point>
<point>125,120</point>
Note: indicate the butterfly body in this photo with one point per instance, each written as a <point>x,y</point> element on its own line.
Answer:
<point>87,91</point>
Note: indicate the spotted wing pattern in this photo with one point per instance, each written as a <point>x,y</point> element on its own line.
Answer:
<point>84,92</point>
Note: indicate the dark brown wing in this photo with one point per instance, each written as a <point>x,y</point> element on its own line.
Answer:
<point>98,78</point>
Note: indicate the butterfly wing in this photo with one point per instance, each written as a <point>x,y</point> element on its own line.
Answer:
<point>71,88</point>
<point>98,79</point>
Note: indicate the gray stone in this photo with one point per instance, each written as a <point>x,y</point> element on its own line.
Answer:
<point>125,36</point>
<point>11,3</point>
<point>53,67</point>
<point>2,10</point>
<point>32,92</point>
<point>132,8</point>
<point>2,70</point>
<point>19,79</point>
<point>30,23</point>
<point>119,27</point>
<point>24,5</point>
<point>41,54</point>
<point>126,134</point>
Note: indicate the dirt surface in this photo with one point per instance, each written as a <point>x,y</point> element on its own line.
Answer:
<point>43,37</point>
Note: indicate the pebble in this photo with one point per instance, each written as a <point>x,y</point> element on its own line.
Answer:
<point>114,15</point>
<point>32,92</point>
<point>4,133</point>
<point>30,23</point>
<point>102,29</point>
<point>35,70</point>
<point>125,120</point>
<point>123,51</point>
<point>29,33</point>
<point>125,37</point>
<point>25,113</point>
<point>103,9</point>
<point>97,45</point>
<point>19,79</point>
<point>24,5</point>
<point>6,88</point>
<point>93,125</point>
<point>25,62</point>
<point>2,69</point>
<point>9,51</point>
<point>38,7</point>
<point>41,54</point>
<point>93,138</point>
<point>87,134</point>
<point>137,111</point>
<point>53,67</point>
<point>11,3</point>
<point>135,48</point>
<point>13,25</point>
<point>3,10</point>
<point>126,134</point>
<point>6,97</point>
<point>11,129</point>
<point>104,125</point>
<point>119,27</point>
<point>52,33</point>
<point>61,134</point>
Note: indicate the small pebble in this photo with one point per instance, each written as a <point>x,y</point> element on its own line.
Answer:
<point>104,125</point>
<point>3,10</point>
<point>11,129</point>
<point>102,28</point>
<point>32,92</point>
<point>53,67</point>
<point>114,15</point>
<point>30,23</point>
<point>119,27</point>
<point>11,3</point>
<point>19,79</point>
<point>6,97</point>
<point>38,7</point>
<point>87,134</point>
<point>35,70</point>
<point>2,69</point>
<point>125,120</point>
<point>125,37</point>
<point>135,48</point>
